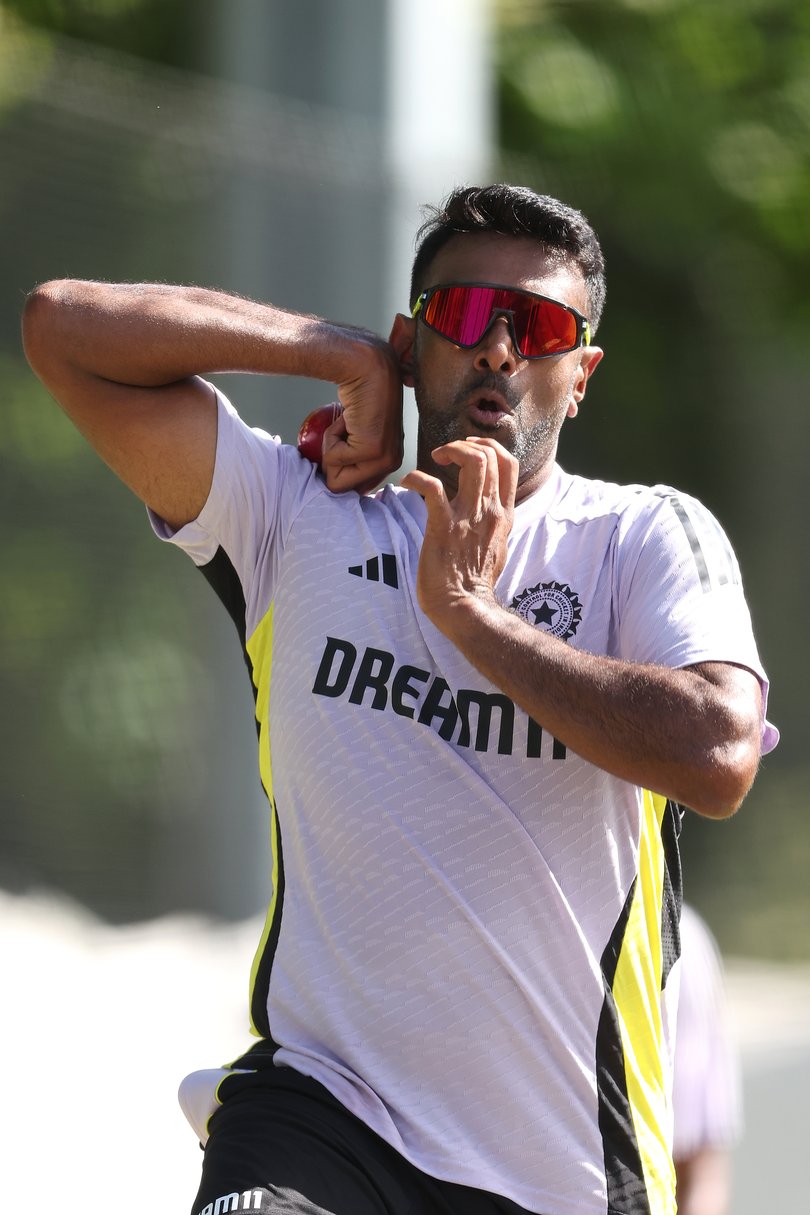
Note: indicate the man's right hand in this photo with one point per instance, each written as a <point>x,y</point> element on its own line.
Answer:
<point>365,445</point>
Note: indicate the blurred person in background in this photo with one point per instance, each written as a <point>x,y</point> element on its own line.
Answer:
<point>482,696</point>
<point>707,1097</point>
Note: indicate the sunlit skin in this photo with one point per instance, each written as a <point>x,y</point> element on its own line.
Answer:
<point>490,391</point>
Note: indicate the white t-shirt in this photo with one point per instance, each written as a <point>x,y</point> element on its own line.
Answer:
<point>475,925</point>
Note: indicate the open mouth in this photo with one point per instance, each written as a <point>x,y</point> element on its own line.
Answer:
<point>487,411</point>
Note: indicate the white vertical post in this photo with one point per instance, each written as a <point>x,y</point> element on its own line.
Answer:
<point>440,125</point>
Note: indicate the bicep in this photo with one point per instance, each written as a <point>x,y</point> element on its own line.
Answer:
<point>160,441</point>
<point>120,381</point>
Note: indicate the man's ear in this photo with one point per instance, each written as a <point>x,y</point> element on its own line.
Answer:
<point>403,337</point>
<point>590,359</point>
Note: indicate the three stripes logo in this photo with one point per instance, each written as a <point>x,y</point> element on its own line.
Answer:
<point>712,553</point>
<point>382,568</point>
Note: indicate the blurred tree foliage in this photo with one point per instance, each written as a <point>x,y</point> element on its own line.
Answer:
<point>682,129</point>
<point>107,697</point>
<point>159,30</point>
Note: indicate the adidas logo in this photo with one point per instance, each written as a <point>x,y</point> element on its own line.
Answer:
<point>376,569</point>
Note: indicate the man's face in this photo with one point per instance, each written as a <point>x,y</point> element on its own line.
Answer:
<point>491,390</point>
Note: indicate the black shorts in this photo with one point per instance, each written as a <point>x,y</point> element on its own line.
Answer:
<point>281,1143</point>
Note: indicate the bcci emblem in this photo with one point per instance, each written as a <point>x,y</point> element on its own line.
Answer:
<point>551,606</point>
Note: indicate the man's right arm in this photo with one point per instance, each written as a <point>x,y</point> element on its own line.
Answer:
<point>124,360</point>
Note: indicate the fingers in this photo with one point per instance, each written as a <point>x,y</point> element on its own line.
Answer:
<point>371,440</point>
<point>488,474</point>
<point>469,518</point>
<point>487,471</point>
<point>508,471</point>
<point>352,463</point>
<point>429,488</point>
<point>363,476</point>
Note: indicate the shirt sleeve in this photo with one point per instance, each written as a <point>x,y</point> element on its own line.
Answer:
<point>259,487</point>
<point>680,595</point>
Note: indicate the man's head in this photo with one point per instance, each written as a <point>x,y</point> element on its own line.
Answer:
<point>510,362</point>
<point>509,210</point>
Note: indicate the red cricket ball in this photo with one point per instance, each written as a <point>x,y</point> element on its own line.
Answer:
<point>310,436</point>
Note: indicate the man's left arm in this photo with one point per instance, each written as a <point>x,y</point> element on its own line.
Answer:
<point>692,734</point>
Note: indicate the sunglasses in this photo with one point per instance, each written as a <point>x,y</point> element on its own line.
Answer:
<point>540,327</point>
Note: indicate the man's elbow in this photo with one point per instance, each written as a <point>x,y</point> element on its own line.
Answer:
<point>729,742</point>
<point>39,321</point>
<point>727,778</point>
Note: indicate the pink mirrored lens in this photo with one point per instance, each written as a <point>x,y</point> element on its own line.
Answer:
<point>463,314</point>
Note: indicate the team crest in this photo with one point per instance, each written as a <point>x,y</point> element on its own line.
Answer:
<point>551,606</point>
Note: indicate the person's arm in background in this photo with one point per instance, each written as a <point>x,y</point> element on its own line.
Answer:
<point>703,1182</point>
<point>123,361</point>
<point>706,1091</point>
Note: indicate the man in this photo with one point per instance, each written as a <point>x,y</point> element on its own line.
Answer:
<point>706,1089</point>
<point>480,696</point>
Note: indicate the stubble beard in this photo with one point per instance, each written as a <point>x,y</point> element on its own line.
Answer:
<point>532,446</point>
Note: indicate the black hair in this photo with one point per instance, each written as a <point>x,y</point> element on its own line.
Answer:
<point>513,211</point>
